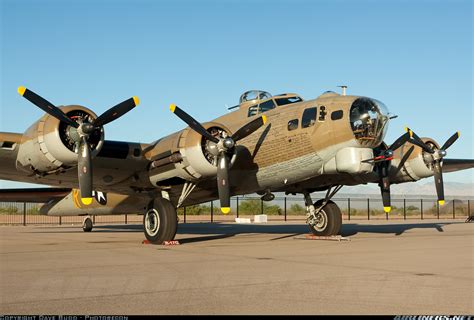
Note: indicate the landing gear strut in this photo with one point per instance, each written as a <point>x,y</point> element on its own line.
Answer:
<point>324,216</point>
<point>87,224</point>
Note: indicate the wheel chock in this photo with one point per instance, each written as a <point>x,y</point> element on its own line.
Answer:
<point>313,237</point>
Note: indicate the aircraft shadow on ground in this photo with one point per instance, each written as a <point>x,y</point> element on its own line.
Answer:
<point>206,231</point>
<point>215,231</point>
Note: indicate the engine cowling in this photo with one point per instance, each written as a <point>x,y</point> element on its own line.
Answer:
<point>50,145</point>
<point>186,155</point>
<point>418,165</point>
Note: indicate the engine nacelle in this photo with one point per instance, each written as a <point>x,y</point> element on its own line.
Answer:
<point>50,145</point>
<point>418,165</point>
<point>185,155</point>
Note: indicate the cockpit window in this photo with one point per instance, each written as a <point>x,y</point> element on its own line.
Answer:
<point>309,118</point>
<point>369,119</point>
<point>262,107</point>
<point>267,105</point>
<point>253,110</point>
<point>290,100</point>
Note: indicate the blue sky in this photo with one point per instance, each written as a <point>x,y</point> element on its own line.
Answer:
<point>415,56</point>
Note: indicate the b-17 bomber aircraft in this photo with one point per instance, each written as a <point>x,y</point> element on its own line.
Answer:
<point>266,144</point>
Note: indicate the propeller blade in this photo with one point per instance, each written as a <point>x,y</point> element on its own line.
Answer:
<point>404,159</point>
<point>438,175</point>
<point>196,126</point>
<point>116,111</point>
<point>400,141</point>
<point>450,141</point>
<point>385,189</point>
<point>223,186</point>
<point>46,106</point>
<point>417,141</point>
<point>249,128</point>
<point>84,167</point>
<point>383,169</point>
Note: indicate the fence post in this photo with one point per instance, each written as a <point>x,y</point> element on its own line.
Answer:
<point>349,209</point>
<point>237,207</point>
<point>454,209</point>
<point>126,219</point>
<point>421,209</point>
<point>468,208</point>
<point>285,208</point>
<point>212,211</point>
<point>184,213</point>
<point>404,209</point>
<point>261,206</point>
<point>60,220</point>
<point>93,219</point>
<point>24,213</point>
<point>368,209</point>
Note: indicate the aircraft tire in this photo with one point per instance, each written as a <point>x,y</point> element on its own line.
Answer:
<point>87,225</point>
<point>332,220</point>
<point>160,222</point>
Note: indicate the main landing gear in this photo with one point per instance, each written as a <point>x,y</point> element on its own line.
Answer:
<point>160,221</point>
<point>324,217</point>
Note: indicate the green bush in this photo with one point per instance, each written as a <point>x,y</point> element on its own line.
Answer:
<point>297,209</point>
<point>8,210</point>
<point>254,206</point>
<point>34,211</point>
<point>195,210</point>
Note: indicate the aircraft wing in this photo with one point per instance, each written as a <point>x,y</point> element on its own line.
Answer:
<point>39,195</point>
<point>451,165</point>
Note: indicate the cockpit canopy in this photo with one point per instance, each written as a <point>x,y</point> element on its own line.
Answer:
<point>258,101</point>
<point>254,95</point>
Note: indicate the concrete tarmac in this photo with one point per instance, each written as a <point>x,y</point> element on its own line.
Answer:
<point>387,267</point>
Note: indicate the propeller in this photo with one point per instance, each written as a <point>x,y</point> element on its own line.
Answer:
<point>387,154</point>
<point>382,163</point>
<point>437,156</point>
<point>223,148</point>
<point>84,129</point>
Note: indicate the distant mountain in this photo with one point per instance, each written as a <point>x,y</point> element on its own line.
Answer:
<point>452,189</point>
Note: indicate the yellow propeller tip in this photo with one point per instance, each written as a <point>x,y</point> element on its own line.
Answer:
<point>459,134</point>
<point>387,209</point>
<point>407,129</point>
<point>264,118</point>
<point>136,100</point>
<point>86,201</point>
<point>441,202</point>
<point>172,107</point>
<point>21,90</point>
<point>411,133</point>
<point>225,210</point>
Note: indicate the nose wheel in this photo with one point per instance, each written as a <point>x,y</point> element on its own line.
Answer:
<point>87,224</point>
